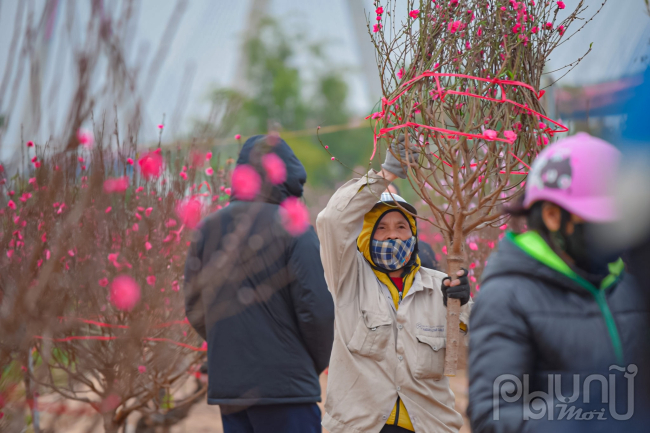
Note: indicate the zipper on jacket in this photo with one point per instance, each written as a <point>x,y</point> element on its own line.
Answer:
<point>397,411</point>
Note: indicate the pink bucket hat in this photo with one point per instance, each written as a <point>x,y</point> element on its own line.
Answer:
<point>578,174</point>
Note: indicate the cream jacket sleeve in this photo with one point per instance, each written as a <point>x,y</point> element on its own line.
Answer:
<point>339,225</point>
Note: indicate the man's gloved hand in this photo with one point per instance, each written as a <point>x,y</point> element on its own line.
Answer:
<point>456,289</point>
<point>393,164</point>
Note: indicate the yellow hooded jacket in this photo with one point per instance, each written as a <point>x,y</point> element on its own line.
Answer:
<point>399,416</point>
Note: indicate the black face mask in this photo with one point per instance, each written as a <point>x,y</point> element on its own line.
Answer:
<point>589,255</point>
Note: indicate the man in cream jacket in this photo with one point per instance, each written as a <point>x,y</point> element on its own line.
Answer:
<point>386,368</point>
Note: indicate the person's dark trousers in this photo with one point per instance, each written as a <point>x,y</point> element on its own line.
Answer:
<point>274,418</point>
<point>394,429</point>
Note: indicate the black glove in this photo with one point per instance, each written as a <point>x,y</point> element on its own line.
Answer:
<point>397,166</point>
<point>460,291</point>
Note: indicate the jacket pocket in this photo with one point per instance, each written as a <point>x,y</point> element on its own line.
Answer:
<point>430,362</point>
<point>372,334</point>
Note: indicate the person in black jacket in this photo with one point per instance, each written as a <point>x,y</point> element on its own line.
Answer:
<point>559,331</point>
<point>258,296</point>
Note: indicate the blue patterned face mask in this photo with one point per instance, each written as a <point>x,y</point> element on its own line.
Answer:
<point>391,254</point>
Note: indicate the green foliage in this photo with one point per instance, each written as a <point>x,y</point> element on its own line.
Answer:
<point>279,96</point>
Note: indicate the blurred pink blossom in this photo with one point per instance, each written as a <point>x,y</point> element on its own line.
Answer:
<point>108,209</point>
<point>11,204</point>
<point>189,212</point>
<point>400,73</point>
<point>150,165</point>
<point>161,126</point>
<point>209,171</point>
<point>561,4</point>
<point>147,246</point>
<point>227,191</point>
<point>129,161</point>
<point>414,13</point>
<point>444,249</point>
<point>473,246</point>
<point>295,216</point>
<point>237,137</point>
<point>148,211</point>
<point>30,143</point>
<point>246,182</point>
<point>141,368</point>
<point>208,155</point>
<point>103,282</point>
<point>125,293</point>
<point>276,171</point>
<point>151,280</point>
<point>85,137</point>
<point>376,28</point>
<point>379,10</point>
<point>119,184</point>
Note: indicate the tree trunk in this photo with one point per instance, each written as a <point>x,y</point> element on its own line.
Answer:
<point>109,425</point>
<point>455,262</point>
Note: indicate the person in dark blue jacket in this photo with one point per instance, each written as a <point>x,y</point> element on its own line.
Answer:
<point>258,296</point>
<point>560,331</point>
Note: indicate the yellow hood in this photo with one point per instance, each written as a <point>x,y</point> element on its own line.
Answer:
<point>363,243</point>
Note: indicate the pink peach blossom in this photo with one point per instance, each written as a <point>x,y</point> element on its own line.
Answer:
<point>209,171</point>
<point>246,182</point>
<point>208,155</point>
<point>151,165</point>
<point>414,13</point>
<point>295,216</point>
<point>400,73</point>
<point>237,137</point>
<point>118,185</point>
<point>103,282</point>
<point>276,171</point>
<point>30,143</point>
<point>151,280</point>
<point>473,246</point>
<point>11,204</point>
<point>147,246</point>
<point>489,134</point>
<point>148,211</point>
<point>189,212</point>
<point>108,209</point>
<point>141,368</point>
<point>125,293</point>
<point>561,5</point>
<point>510,136</point>
<point>129,161</point>
<point>85,137</point>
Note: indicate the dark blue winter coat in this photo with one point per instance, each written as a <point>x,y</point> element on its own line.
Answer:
<point>258,295</point>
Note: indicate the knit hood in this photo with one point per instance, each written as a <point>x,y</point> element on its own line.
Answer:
<point>370,221</point>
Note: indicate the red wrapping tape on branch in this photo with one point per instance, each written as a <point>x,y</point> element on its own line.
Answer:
<point>440,92</point>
